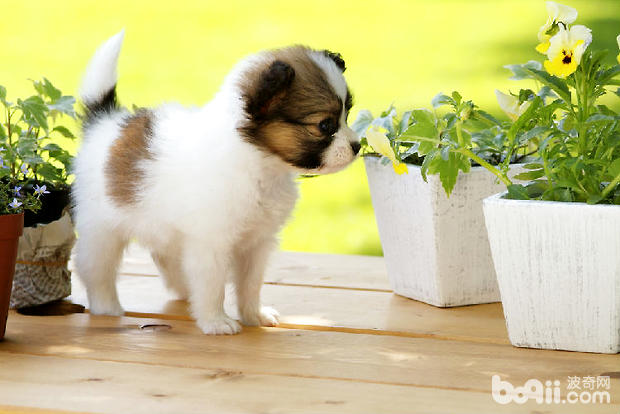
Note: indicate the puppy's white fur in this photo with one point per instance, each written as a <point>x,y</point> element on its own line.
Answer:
<point>210,203</point>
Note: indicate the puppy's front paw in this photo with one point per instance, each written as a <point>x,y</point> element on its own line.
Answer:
<point>221,325</point>
<point>265,316</point>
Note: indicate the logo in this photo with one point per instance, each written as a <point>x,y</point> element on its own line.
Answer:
<point>584,390</point>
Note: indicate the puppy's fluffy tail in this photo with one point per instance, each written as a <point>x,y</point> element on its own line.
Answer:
<point>98,90</point>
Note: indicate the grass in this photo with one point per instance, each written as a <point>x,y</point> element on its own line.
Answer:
<point>400,52</point>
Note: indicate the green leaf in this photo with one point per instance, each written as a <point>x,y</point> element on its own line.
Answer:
<point>517,192</point>
<point>546,92</point>
<point>533,166</point>
<point>26,146</point>
<point>410,151</point>
<point>487,116</point>
<point>386,121</point>
<point>65,131</point>
<point>556,84</point>
<point>49,90</point>
<point>614,168</point>
<point>428,159</point>
<point>32,160</point>
<point>457,97</point>
<point>362,122</point>
<point>520,72</point>
<point>448,173</point>
<point>424,126</point>
<point>536,188</point>
<point>404,122</point>
<point>441,99</point>
<point>530,175</point>
<point>594,198</point>
<point>534,132</point>
<point>49,173</point>
<point>603,77</point>
<point>65,105</point>
<point>34,109</point>
<point>426,147</point>
<point>2,93</point>
<point>601,118</point>
<point>52,147</point>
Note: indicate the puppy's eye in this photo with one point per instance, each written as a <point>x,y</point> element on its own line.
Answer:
<point>328,127</point>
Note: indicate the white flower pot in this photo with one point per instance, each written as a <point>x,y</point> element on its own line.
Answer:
<point>558,267</point>
<point>436,248</point>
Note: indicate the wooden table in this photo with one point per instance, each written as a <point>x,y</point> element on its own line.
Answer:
<point>346,344</point>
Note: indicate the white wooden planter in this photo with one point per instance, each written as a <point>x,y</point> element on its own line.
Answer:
<point>558,267</point>
<point>436,248</point>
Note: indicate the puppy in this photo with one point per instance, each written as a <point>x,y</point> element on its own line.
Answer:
<point>206,190</point>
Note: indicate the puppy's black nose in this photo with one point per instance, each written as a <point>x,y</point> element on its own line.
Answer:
<point>355,146</point>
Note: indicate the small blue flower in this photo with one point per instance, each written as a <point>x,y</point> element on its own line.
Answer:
<point>16,191</point>
<point>40,190</point>
<point>24,169</point>
<point>15,204</point>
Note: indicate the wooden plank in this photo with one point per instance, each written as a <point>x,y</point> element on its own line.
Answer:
<point>359,358</point>
<point>113,387</point>
<point>293,268</point>
<point>323,308</point>
<point>6,409</point>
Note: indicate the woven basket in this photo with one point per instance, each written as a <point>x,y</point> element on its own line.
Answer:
<point>41,273</point>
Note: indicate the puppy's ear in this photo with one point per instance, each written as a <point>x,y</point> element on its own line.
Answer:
<point>272,85</point>
<point>337,58</point>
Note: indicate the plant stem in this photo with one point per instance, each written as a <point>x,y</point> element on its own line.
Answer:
<point>501,175</point>
<point>610,186</point>
<point>583,112</point>
<point>459,133</point>
<point>8,128</point>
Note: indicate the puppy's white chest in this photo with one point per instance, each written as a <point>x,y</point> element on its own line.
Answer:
<point>274,203</point>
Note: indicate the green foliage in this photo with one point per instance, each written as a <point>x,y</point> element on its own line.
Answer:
<point>443,140</point>
<point>28,155</point>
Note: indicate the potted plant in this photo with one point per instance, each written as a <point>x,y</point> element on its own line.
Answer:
<point>435,247</point>
<point>555,240</point>
<point>32,133</point>
<point>13,201</point>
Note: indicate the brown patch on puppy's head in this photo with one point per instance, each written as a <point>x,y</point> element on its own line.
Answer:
<point>293,108</point>
<point>123,172</point>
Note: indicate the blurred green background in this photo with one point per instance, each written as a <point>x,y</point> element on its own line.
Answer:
<point>400,52</point>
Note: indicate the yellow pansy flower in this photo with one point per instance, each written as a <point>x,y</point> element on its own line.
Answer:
<point>558,13</point>
<point>618,40</point>
<point>378,140</point>
<point>510,105</point>
<point>565,50</point>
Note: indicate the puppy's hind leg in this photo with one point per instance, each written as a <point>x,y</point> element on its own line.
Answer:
<point>171,269</point>
<point>250,264</point>
<point>206,272</point>
<point>98,254</point>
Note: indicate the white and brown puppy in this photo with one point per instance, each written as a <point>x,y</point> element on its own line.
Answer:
<point>205,189</point>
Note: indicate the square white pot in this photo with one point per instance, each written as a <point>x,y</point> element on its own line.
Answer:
<point>558,267</point>
<point>436,248</point>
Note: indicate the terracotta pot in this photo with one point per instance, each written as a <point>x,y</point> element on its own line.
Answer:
<point>11,227</point>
